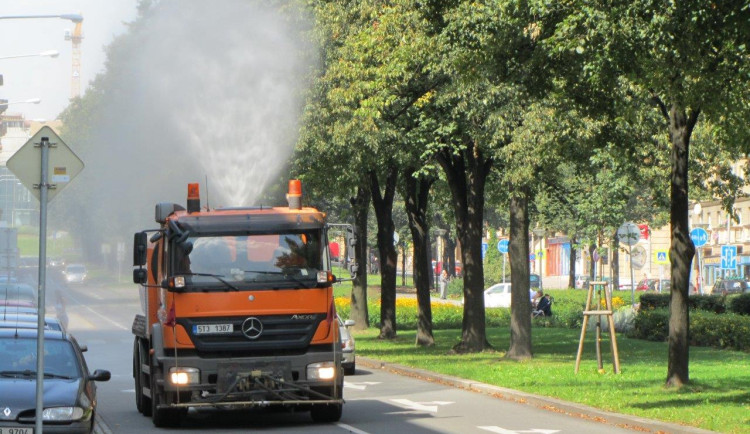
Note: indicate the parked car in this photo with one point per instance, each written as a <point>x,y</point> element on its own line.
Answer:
<point>69,392</point>
<point>347,347</point>
<point>13,317</point>
<point>75,273</point>
<point>56,262</point>
<point>497,295</point>
<point>534,280</point>
<point>658,285</point>
<point>437,267</point>
<point>17,310</point>
<point>730,286</point>
<point>17,292</point>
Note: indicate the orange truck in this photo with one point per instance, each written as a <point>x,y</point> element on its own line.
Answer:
<point>238,311</point>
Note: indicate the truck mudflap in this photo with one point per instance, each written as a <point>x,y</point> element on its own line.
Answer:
<point>258,389</point>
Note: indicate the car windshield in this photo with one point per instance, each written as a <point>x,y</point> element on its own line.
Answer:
<point>19,358</point>
<point>76,269</point>
<point>293,258</point>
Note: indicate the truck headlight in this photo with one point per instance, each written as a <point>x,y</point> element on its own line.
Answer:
<point>183,376</point>
<point>321,371</point>
<point>58,414</point>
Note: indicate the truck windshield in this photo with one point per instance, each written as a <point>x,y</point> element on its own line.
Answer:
<point>292,258</point>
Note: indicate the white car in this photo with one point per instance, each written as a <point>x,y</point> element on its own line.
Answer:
<point>75,273</point>
<point>497,295</point>
<point>347,346</point>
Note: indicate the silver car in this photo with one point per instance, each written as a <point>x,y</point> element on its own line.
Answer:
<point>347,346</point>
<point>75,273</point>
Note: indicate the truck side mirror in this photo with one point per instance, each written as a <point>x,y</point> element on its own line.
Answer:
<point>351,249</point>
<point>140,246</point>
<point>351,242</point>
<point>140,276</point>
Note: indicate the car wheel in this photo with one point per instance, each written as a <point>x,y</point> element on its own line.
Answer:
<point>350,370</point>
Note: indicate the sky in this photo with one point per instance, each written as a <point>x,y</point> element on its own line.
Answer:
<point>50,78</point>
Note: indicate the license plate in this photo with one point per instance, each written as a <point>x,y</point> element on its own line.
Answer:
<point>211,329</point>
<point>16,430</point>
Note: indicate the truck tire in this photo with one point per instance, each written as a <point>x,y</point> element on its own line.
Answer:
<point>326,413</point>
<point>140,357</point>
<point>163,417</point>
<point>137,377</point>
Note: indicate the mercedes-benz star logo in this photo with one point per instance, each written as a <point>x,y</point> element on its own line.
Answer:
<point>252,328</point>
<point>6,412</point>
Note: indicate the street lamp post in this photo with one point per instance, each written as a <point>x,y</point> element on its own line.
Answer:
<point>48,53</point>
<point>25,101</point>
<point>76,18</point>
<point>539,233</point>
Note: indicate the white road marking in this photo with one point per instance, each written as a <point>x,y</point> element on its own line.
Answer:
<point>498,430</point>
<point>360,385</point>
<point>351,428</point>
<point>421,406</point>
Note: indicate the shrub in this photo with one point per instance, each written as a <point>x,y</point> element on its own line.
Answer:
<point>730,331</point>
<point>709,303</point>
<point>654,300</point>
<point>740,304</point>
<point>651,324</point>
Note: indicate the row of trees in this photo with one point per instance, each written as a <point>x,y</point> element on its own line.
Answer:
<point>578,115</point>
<point>575,115</point>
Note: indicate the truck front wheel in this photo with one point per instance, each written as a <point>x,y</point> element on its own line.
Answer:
<point>163,417</point>
<point>326,413</point>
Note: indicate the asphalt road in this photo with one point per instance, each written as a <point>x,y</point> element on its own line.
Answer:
<point>377,400</point>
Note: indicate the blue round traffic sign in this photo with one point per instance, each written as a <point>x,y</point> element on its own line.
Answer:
<point>699,237</point>
<point>502,246</point>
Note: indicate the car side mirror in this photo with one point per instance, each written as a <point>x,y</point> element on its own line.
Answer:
<point>349,323</point>
<point>83,348</point>
<point>100,375</point>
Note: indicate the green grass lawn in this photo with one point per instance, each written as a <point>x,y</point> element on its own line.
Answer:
<point>718,397</point>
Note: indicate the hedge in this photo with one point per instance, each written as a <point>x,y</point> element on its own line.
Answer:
<point>707,329</point>
<point>736,303</point>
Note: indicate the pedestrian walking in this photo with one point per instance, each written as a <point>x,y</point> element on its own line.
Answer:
<point>443,284</point>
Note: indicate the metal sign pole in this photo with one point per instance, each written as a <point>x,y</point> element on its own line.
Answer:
<point>43,187</point>
<point>503,267</point>
<point>632,277</point>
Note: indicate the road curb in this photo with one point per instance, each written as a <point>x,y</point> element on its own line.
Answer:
<point>634,423</point>
<point>101,427</point>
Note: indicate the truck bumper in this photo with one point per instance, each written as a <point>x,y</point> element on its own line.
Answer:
<point>253,381</point>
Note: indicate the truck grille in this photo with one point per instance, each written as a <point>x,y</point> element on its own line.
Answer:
<point>288,332</point>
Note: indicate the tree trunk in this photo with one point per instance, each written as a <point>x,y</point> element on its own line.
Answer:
<point>682,249</point>
<point>383,205</point>
<point>518,251</point>
<point>467,173</point>
<point>360,206</point>
<point>450,254</point>
<point>416,198</point>
<point>572,268</point>
<point>615,262</point>
<point>592,263</point>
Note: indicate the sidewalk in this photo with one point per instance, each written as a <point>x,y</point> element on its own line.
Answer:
<point>634,423</point>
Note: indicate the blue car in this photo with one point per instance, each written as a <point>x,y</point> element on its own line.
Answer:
<point>69,389</point>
